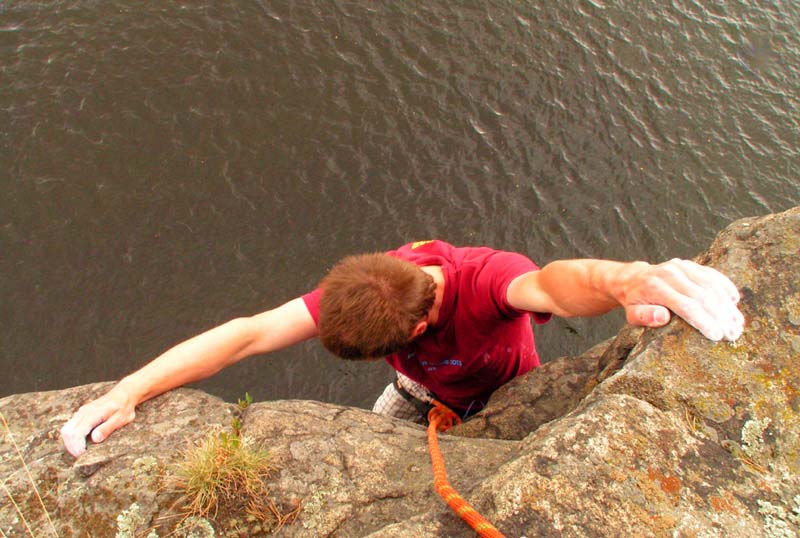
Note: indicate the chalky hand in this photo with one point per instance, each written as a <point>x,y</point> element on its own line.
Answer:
<point>705,298</point>
<point>98,419</point>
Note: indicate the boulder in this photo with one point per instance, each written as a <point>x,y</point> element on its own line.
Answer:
<point>654,433</point>
<point>522,405</point>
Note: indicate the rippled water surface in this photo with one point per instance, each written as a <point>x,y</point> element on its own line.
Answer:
<point>166,166</point>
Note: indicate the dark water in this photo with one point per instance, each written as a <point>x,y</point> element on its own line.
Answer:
<point>166,166</point>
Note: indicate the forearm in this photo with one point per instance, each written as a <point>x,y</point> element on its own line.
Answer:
<point>587,287</point>
<point>568,288</point>
<point>197,358</point>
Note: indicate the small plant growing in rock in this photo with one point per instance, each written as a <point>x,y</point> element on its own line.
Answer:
<point>236,427</point>
<point>223,467</point>
<point>245,403</point>
<point>223,479</point>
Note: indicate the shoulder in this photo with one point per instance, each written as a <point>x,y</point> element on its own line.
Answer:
<point>428,247</point>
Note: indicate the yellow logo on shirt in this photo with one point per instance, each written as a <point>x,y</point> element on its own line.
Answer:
<point>418,244</point>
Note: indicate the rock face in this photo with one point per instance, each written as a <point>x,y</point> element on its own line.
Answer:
<point>656,433</point>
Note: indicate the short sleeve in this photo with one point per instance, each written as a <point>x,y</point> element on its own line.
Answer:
<point>498,272</point>
<point>311,300</point>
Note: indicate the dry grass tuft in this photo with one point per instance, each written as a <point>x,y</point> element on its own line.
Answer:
<point>223,479</point>
<point>222,468</point>
<point>21,515</point>
<point>695,424</point>
<point>264,509</point>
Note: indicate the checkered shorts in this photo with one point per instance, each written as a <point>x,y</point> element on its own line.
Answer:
<point>394,404</point>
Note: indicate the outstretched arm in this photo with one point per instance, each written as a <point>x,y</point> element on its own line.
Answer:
<point>197,358</point>
<point>702,296</point>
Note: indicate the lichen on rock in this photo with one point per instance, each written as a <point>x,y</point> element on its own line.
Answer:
<point>129,522</point>
<point>753,436</point>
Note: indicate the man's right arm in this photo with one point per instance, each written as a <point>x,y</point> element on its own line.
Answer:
<point>198,358</point>
<point>701,295</point>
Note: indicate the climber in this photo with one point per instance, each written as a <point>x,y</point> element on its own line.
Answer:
<point>455,323</point>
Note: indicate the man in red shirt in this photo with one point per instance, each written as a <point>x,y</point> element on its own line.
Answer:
<point>454,323</point>
<point>477,342</point>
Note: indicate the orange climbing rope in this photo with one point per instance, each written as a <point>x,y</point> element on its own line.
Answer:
<point>440,417</point>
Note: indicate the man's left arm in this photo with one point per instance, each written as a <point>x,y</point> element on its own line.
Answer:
<point>702,296</point>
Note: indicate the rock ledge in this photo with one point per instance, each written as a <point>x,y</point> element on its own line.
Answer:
<point>654,433</point>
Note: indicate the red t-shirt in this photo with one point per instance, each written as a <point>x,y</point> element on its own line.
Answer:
<point>479,342</point>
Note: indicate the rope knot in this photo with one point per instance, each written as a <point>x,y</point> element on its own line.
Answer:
<point>444,417</point>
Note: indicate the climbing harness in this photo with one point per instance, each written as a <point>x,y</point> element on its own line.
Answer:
<point>441,417</point>
<point>420,402</point>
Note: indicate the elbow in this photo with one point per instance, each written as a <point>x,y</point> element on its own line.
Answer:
<point>564,313</point>
<point>245,331</point>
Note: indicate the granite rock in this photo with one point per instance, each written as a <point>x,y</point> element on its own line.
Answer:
<point>654,433</point>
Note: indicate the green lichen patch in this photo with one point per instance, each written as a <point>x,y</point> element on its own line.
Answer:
<point>129,522</point>
<point>778,521</point>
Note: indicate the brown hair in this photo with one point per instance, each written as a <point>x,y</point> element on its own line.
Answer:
<point>371,304</point>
